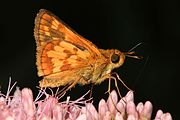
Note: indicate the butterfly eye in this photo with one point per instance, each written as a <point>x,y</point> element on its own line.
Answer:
<point>115,58</point>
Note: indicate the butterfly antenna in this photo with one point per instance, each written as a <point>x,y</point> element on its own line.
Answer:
<point>90,94</point>
<point>131,53</point>
<point>141,71</point>
<point>135,47</point>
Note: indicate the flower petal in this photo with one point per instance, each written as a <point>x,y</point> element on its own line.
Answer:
<point>121,108</point>
<point>147,111</point>
<point>102,109</point>
<point>27,101</point>
<point>112,101</point>
<point>57,113</point>
<point>82,117</point>
<point>131,110</point>
<point>159,114</point>
<point>118,116</point>
<point>163,116</point>
<point>129,96</point>
<point>140,107</point>
<point>107,116</point>
<point>92,110</point>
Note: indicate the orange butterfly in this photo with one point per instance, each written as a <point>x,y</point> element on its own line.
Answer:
<point>65,58</point>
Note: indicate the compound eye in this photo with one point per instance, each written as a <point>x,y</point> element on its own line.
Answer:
<point>115,58</point>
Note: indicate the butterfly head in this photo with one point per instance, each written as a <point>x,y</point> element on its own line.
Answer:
<point>116,58</point>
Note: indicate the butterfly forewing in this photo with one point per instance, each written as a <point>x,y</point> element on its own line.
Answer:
<point>61,53</point>
<point>48,27</point>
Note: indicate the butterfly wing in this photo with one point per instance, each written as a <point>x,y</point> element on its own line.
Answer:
<point>59,48</point>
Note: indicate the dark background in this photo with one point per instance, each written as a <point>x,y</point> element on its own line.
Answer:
<point>108,24</point>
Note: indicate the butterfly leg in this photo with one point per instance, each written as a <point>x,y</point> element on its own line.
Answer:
<point>90,94</point>
<point>109,88</point>
<point>66,88</point>
<point>121,81</point>
<point>62,91</point>
<point>116,85</point>
<point>119,93</point>
<point>107,76</point>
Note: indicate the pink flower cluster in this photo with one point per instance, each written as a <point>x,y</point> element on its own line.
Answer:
<point>21,106</point>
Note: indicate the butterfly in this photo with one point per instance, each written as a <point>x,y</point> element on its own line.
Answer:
<point>65,58</point>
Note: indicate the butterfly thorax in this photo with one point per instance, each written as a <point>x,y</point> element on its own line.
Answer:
<point>111,59</point>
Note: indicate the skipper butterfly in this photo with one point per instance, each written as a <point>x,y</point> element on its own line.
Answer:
<point>65,58</point>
